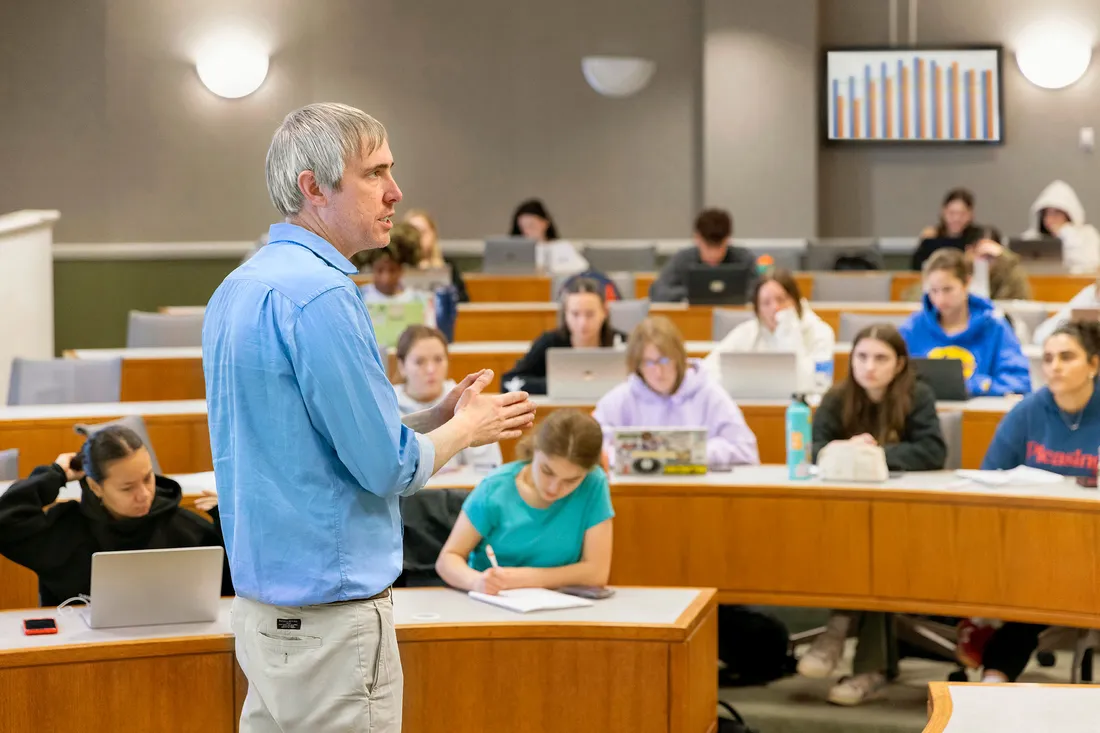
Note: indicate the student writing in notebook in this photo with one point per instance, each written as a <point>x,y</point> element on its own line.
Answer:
<point>547,516</point>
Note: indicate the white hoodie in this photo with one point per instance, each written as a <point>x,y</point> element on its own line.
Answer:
<point>559,257</point>
<point>1080,241</point>
<point>485,456</point>
<point>809,338</point>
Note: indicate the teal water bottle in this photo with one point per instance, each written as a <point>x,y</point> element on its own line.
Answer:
<point>799,438</point>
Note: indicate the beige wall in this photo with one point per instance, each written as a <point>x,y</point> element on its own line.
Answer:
<point>105,119</point>
<point>895,191</point>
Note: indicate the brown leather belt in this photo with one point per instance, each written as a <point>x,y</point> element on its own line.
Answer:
<point>376,597</point>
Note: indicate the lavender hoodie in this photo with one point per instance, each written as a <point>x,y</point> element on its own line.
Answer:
<point>699,403</point>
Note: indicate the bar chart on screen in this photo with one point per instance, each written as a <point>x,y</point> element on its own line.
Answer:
<point>913,95</point>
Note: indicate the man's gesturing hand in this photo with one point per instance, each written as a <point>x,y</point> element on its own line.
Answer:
<point>494,417</point>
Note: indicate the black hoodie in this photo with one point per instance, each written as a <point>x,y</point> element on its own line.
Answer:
<point>57,544</point>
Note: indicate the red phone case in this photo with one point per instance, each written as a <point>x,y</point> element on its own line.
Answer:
<point>39,632</point>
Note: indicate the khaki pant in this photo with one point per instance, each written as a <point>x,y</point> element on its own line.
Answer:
<point>319,668</point>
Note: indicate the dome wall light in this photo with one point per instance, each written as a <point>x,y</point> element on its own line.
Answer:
<point>617,76</point>
<point>1054,54</point>
<point>232,64</point>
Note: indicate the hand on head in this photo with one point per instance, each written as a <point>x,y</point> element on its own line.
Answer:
<point>65,461</point>
<point>493,417</point>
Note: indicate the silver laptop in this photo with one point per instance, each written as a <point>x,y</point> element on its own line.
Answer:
<point>583,374</point>
<point>427,279</point>
<point>759,375</point>
<point>509,256</point>
<point>152,587</point>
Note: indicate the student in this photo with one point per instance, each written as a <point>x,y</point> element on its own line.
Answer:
<point>422,362</point>
<point>584,324</point>
<point>387,266</point>
<point>667,390</point>
<point>1057,429</point>
<point>784,322</point>
<point>431,254</point>
<point>556,256</point>
<point>956,227</point>
<point>1057,212</point>
<point>1007,276</point>
<point>881,402</point>
<point>122,506</point>
<point>713,229</point>
<point>956,325</point>
<point>547,516</point>
<point>1088,297</point>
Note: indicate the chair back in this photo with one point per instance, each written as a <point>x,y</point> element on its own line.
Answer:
<point>64,381</point>
<point>428,517</point>
<point>626,314</point>
<point>838,287</point>
<point>9,464</point>
<point>725,320</point>
<point>852,323</point>
<point>133,422</point>
<point>163,330</point>
<point>951,427</point>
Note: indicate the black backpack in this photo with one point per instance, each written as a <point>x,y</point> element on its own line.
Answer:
<point>755,647</point>
<point>735,723</point>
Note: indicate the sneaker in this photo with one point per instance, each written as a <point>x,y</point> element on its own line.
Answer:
<point>857,689</point>
<point>824,654</point>
<point>970,643</point>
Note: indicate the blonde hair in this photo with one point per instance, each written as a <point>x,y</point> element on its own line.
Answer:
<point>569,434</point>
<point>949,260</point>
<point>435,257</point>
<point>662,333</point>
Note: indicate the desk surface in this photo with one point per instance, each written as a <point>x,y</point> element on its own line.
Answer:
<point>963,708</point>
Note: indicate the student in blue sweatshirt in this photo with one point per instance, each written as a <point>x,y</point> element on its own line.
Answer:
<point>1056,429</point>
<point>956,325</point>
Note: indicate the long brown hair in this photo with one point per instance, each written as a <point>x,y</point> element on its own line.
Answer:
<point>577,286</point>
<point>569,434</point>
<point>785,280</point>
<point>884,421</point>
<point>662,333</point>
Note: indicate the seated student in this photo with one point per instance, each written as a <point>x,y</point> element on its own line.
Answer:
<point>122,506</point>
<point>956,227</point>
<point>1057,212</point>
<point>547,517</point>
<point>422,363</point>
<point>584,324</point>
<point>881,402</point>
<point>1088,297</point>
<point>556,256</point>
<point>387,266</point>
<point>784,322</point>
<point>1057,429</point>
<point>431,254</point>
<point>713,229</point>
<point>1007,276</point>
<point>956,325</point>
<point>667,390</point>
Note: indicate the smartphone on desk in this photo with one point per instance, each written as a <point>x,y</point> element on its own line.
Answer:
<point>39,626</point>
<point>593,592</point>
<point>1088,482</point>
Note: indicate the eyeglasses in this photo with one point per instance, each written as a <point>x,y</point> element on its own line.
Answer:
<point>663,361</point>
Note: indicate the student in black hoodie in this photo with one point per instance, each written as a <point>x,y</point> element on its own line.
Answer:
<point>880,403</point>
<point>584,324</point>
<point>122,506</point>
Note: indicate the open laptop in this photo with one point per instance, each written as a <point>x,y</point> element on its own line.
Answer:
<point>509,256</point>
<point>944,376</point>
<point>583,374</point>
<point>719,285</point>
<point>622,259</point>
<point>1041,249</point>
<point>660,451</point>
<point>152,587</point>
<point>759,375</point>
<point>427,279</point>
<point>391,318</point>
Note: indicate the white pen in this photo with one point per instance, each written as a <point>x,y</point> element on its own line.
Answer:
<point>491,555</point>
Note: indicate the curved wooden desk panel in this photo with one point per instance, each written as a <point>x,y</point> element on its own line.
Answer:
<point>1017,708</point>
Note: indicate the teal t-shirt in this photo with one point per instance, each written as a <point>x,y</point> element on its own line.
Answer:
<point>523,536</point>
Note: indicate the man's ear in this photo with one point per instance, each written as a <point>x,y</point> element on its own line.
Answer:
<point>311,189</point>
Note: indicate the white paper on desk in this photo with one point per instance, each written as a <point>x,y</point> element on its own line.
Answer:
<point>526,600</point>
<point>1019,476</point>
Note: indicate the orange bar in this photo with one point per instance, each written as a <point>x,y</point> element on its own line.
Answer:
<point>937,93</point>
<point>855,118</point>
<point>920,96</point>
<point>889,121</point>
<point>973,105</point>
<point>988,76</point>
<point>905,101</point>
<point>871,106</point>
<point>840,115</point>
<point>956,106</point>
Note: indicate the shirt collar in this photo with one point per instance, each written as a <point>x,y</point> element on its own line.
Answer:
<point>284,232</point>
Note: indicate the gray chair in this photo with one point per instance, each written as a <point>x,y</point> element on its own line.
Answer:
<point>822,254</point>
<point>626,314</point>
<point>853,323</point>
<point>624,281</point>
<point>951,427</point>
<point>163,330</point>
<point>64,381</point>
<point>9,464</point>
<point>856,287</point>
<point>133,422</point>
<point>641,258</point>
<point>725,320</point>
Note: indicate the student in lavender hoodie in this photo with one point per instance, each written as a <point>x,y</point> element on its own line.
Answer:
<point>1056,429</point>
<point>666,389</point>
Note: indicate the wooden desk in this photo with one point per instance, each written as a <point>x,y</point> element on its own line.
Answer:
<point>983,708</point>
<point>643,660</point>
<point>152,374</point>
<point>1051,288</point>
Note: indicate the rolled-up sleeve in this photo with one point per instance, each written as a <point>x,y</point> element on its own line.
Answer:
<point>350,401</point>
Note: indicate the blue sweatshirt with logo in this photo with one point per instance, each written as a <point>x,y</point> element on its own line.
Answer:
<point>1037,433</point>
<point>993,360</point>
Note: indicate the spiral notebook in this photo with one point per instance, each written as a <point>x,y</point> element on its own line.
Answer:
<point>527,600</point>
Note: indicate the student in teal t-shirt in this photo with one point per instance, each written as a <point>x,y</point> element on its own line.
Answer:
<point>547,517</point>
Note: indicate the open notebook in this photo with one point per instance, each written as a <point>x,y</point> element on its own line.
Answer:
<point>526,600</point>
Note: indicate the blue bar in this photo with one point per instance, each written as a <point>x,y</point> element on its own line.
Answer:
<point>867,98</point>
<point>935,101</point>
<point>901,98</point>
<point>969,97</point>
<point>836,108</point>
<point>987,124</point>
<point>851,106</point>
<point>951,111</point>
<point>885,100</point>
<point>918,113</point>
